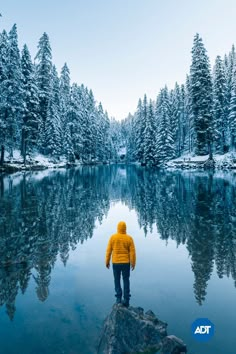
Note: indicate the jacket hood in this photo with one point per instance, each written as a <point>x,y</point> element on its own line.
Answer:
<point>121,227</point>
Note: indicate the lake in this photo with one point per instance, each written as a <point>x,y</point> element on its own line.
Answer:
<point>55,290</point>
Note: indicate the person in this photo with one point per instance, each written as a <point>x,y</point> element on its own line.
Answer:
<point>121,247</point>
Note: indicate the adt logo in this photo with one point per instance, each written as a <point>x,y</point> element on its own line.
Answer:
<point>203,329</point>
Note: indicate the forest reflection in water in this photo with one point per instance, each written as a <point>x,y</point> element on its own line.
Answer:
<point>43,217</point>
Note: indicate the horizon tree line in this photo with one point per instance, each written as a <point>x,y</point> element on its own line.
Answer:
<point>198,117</point>
<point>41,111</point>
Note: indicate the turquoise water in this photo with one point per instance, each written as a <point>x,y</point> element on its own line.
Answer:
<point>55,291</point>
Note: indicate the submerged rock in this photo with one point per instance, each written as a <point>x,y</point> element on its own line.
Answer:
<point>131,331</point>
<point>209,164</point>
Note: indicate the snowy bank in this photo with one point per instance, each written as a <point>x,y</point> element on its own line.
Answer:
<point>36,162</point>
<point>223,162</point>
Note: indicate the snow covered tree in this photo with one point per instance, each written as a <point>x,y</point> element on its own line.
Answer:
<point>219,107</point>
<point>64,99</point>
<point>74,120</point>
<point>189,118</point>
<point>53,130</point>
<point>11,92</point>
<point>138,130</point>
<point>64,87</point>
<point>3,91</point>
<point>127,139</point>
<point>140,125</point>
<point>232,115</point>
<point>176,120</point>
<point>165,142</point>
<point>106,140</point>
<point>229,68</point>
<point>92,125</point>
<point>183,119</point>
<point>44,81</point>
<point>201,97</point>
<point>150,137</point>
<point>99,140</point>
<point>115,138</point>
<point>30,114</point>
<point>14,84</point>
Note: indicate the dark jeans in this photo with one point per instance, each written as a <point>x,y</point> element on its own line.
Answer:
<point>123,268</point>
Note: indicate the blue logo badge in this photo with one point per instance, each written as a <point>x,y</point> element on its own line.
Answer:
<point>202,329</point>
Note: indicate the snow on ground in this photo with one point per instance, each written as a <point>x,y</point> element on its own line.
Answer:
<point>16,156</point>
<point>189,161</point>
<point>34,162</point>
<point>122,151</point>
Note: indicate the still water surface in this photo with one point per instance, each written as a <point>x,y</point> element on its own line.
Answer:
<point>54,227</point>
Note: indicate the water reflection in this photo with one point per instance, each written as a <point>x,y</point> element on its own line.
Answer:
<point>42,218</point>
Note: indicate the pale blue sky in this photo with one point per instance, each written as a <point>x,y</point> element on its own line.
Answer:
<point>123,48</point>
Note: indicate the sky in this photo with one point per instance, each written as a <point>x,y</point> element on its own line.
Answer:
<point>122,49</point>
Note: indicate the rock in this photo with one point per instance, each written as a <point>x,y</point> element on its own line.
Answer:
<point>131,331</point>
<point>209,164</point>
<point>173,345</point>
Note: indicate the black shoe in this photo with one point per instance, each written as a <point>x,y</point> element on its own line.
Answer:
<point>125,303</point>
<point>118,300</point>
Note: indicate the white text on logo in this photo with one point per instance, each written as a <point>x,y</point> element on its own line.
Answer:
<point>202,330</point>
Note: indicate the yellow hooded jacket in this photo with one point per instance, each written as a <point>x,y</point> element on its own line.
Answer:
<point>121,246</point>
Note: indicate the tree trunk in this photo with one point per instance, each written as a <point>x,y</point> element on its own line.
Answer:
<point>24,151</point>
<point>210,151</point>
<point>2,155</point>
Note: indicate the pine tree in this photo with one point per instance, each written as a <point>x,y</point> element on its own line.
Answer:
<point>11,88</point>
<point>189,119</point>
<point>100,132</point>
<point>150,137</point>
<point>165,143</point>
<point>219,107</point>
<point>92,123</point>
<point>30,113</point>
<point>53,130</point>
<point>3,91</point>
<point>176,120</point>
<point>44,81</point>
<point>106,141</point>
<point>64,99</point>
<point>201,97</point>
<point>232,115</point>
<point>183,119</point>
<point>73,120</point>
<point>229,68</point>
<point>138,130</point>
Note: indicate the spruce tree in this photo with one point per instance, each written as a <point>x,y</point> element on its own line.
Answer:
<point>150,137</point>
<point>13,92</point>
<point>44,81</point>
<point>229,68</point>
<point>189,118</point>
<point>165,143</point>
<point>176,120</point>
<point>30,113</point>
<point>201,97</point>
<point>73,119</point>
<point>219,107</point>
<point>138,130</point>
<point>3,91</point>
<point>64,99</point>
<point>53,132</point>
<point>100,132</point>
<point>232,115</point>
